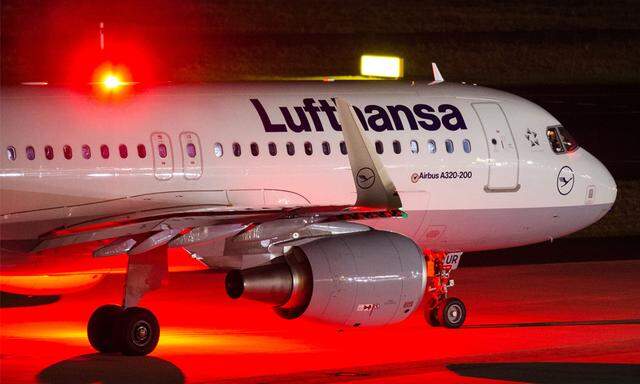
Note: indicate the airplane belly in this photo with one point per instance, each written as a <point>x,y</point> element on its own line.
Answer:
<point>483,229</point>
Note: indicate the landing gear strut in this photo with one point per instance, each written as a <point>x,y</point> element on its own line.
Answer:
<point>441,309</point>
<point>132,331</point>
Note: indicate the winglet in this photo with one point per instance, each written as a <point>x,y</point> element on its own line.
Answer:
<point>374,187</point>
<point>437,76</point>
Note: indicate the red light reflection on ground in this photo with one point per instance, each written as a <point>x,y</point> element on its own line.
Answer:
<point>208,337</point>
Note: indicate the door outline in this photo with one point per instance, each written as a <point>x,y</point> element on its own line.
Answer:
<point>487,187</point>
<point>191,166</point>
<point>162,167</point>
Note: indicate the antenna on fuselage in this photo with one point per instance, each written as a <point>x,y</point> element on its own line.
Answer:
<point>102,36</point>
<point>437,76</point>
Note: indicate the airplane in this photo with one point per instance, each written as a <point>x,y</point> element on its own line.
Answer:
<point>344,202</point>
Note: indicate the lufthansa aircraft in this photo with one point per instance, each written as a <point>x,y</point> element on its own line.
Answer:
<point>342,202</point>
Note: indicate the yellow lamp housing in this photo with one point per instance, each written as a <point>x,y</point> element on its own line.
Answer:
<point>382,66</point>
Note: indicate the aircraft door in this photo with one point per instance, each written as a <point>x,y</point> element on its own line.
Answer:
<point>503,153</point>
<point>162,155</point>
<point>191,155</point>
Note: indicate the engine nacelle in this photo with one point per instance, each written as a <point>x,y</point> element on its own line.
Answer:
<point>360,279</point>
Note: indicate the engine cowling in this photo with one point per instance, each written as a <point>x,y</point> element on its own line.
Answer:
<point>361,279</point>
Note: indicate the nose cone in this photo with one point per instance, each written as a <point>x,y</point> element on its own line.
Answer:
<point>606,184</point>
<point>603,185</point>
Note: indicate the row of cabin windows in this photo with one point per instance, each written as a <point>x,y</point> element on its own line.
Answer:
<point>236,149</point>
<point>85,150</point>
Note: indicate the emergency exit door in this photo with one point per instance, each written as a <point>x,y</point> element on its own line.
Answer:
<point>191,155</point>
<point>503,153</point>
<point>162,155</point>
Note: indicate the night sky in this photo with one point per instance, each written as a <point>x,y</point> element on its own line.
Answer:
<point>486,42</point>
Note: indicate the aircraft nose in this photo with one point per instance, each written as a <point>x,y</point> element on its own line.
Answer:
<point>604,185</point>
<point>601,188</point>
<point>609,186</point>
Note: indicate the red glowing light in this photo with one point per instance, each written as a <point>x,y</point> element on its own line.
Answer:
<point>112,81</point>
<point>109,79</point>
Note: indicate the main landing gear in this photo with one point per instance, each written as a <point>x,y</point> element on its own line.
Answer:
<point>132,331</point>
<point>441,309</point>
<point>129,329</point>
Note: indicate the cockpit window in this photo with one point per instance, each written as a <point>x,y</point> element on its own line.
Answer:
<point>568,141</point>
<point>561,140</point>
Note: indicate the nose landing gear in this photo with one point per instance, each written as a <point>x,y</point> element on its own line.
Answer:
<point>449,312</point>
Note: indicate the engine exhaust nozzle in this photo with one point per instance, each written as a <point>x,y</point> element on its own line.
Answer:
<point>271,283</point>
<point>286,283</point>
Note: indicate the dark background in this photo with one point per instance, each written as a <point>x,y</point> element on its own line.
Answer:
<point>578,59</point>
<point>489,42</point>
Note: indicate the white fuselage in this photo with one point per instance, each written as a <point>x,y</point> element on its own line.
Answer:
<point>506,191</point>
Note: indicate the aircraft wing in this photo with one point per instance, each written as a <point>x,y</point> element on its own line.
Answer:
<point>140,232</point>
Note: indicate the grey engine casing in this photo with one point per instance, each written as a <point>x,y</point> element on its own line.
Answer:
<point>358,279</point>
<point>369,278</point>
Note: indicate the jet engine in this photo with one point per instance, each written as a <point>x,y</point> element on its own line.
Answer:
<point>359,279</point>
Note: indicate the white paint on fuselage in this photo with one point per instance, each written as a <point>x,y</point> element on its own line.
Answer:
<point>39,195</point>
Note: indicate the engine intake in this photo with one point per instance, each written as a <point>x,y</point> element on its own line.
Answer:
<point>367,278</point>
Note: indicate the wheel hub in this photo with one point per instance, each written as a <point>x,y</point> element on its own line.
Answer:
<point>454,313</point>
<point>141,333</point>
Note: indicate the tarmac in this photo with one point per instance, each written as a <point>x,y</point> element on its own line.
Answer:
<point>576,322</point>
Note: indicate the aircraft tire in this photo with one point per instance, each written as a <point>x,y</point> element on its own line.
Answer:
<point>432,318</point>
<point>452,313</point>
<point>100,328</point>
<point>137,331</point>
<point>431,315</point>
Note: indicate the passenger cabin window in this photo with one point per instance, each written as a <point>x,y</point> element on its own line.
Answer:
<point>11,153</point>
<point>235,147</point>
<point>142,151</point>
<point>191,150</point>
<point>326,148</point>
<point>124,152</point>
<point>217,149</point>
<point>431,146</point>
<point>104,151</point>
<point>396,147</point>
<point>379,147</point>
<point>466,145</point>
<point>308,148</point>
<point>343,148</point>
<point>273,150</point>
<point>561,140</point>
<point>448,144</point>
<point>48,152</point>
<point>86,152</point>
<point>67,152</point>
<point>162,151</point>
<point>291,149</point>
<point>31,152</point>
<point>255,151</point>
<point>414,146</point>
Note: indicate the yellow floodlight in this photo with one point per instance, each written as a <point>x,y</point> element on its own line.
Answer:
<point>382,66</point>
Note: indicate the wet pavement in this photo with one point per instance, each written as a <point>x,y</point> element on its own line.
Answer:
<point>544,323</point>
